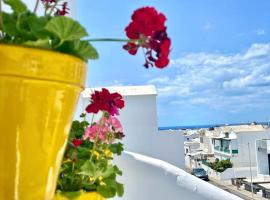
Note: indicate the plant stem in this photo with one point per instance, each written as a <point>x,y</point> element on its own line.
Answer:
<point>53,7</point>
<point>97,135</point>
<point>110,40</point>
<point>36,6</point>
<point>1,19</point>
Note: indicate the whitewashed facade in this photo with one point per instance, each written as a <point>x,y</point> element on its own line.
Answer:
<point>263,157</point>
<point>237,143</point>
<point>139,120</point>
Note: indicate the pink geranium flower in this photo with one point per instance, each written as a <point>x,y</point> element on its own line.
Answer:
<point>116,124</point>
<point>94,130</point>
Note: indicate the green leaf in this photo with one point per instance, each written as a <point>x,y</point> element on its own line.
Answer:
<point>66,29</point>
<point>9,22</point>
<point>70,195</point>
<point>77,128</point>
<point>117,170</point>
<point>81,49</point>
<point>24,27</point>
<point>106,191</point>
<point>89,169</point>
<point>16,5</point>
<point>83,153</point>
<point>120,189</point>
<point>108,171</point>
<point>41,43</point>
<point>117,148</point>
<point>37,25</point>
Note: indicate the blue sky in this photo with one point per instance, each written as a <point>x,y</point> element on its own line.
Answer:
<point>220,59</point>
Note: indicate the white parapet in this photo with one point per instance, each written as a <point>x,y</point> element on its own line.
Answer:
<point>146,178</point>
<point>139,120</point>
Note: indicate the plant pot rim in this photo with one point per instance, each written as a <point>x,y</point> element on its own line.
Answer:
<point>81,194</point>
<point>41,64</point>
<point>41,50</point>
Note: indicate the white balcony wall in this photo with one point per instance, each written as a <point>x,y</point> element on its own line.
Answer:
<point>139,120</point>
<point>147,178</point>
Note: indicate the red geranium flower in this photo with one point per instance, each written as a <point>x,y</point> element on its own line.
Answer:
<point>105,101</point>
<point>48,1</point>
<point>148,30</point>
<point>77,142</point>
<point>53,4</point>
<point>62,11</point>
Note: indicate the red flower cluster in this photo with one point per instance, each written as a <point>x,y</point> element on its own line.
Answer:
<point>51,4</point>
<point>105,101</point>
<point>48,1</point>
<point>148,30</point>
<point>62,11</point>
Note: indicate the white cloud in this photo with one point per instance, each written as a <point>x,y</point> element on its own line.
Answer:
<point>260,32</point>
<point>220,81</point>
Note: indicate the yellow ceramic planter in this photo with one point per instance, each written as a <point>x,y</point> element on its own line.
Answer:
<point>38,93</point>
<point>83,196</point>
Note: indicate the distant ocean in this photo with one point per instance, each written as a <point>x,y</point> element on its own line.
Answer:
<point>204,126</point>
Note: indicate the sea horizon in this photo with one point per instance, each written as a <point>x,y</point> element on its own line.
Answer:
<point>192,127</point>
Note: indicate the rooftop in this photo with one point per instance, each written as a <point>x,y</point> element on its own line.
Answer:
<point>244,128</point>
<point>125,90</point>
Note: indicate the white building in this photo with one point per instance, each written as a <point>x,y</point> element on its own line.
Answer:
<point>190,134</point>
<point>192,146</point>
<point>205,137</point>
<point>263,156</point>
<point>139,120</point>
<point>234,142</point>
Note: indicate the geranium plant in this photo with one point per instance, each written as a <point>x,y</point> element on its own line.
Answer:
<point>87,162</point>
<point>54,31</point>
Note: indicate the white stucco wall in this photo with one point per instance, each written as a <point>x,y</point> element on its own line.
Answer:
<point>242,158</point>
<point>262,151</point>
<point>171,145</point>
<point>146,178</point>
<point>262,160</point>
<point>230,173</point>
<point>139,120</point>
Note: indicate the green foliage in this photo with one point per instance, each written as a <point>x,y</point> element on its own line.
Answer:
<point>81,49</point>
<point>117,148</point>
<point>89,169</point>
<point>70,195</point>
<point>62,34</point>
<point>16,5</point>
<point>77,129</point>
<point>66,29</point>
<point>221,166</point>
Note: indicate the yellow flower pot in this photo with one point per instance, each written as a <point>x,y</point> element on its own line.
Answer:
<point>39,90</point>
<point>81,196</point>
